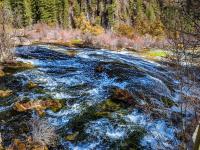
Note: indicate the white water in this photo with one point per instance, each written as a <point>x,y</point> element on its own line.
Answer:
<point>74,80</point>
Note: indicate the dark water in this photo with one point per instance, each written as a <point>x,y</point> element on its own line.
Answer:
<point>70,75</point>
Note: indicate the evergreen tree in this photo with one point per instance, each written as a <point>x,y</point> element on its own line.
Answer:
<point>22,12</point>
<point>150,12</point>
<point>48,11</point>
<point>111,13</point>
<point>140,10</point>
<point>66,14</point>
<point>35,8</point>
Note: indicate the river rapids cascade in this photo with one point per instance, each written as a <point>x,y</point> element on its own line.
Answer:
<point>83,79</point>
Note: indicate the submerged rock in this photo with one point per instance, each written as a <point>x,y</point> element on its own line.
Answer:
<point>99,69</point>
<point>39,106</point>
<point>122,96</point>
<point>5,93</point>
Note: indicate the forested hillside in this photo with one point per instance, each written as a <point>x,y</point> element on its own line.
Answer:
<point>149,15</point>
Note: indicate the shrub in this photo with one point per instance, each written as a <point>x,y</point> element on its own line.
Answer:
<point>125,30</point>
<point>142,26</point>
<point>86,27</point>
<point>157,29</point>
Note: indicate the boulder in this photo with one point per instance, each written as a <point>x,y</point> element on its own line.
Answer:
<point>99,69</point>
<point>32,85</point>
<point>39,106</point>
<point>72,137</point>
<point>122,96</point>
<point>5,93</point>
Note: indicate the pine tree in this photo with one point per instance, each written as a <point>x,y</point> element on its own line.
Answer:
<point>66,14</point>
<point>111,13</point>
<point>76,8</point>
<point>22,12</point>
<point>140,10</point>
<point>35,8</point>
<point>150,12</point>
<point>48,11</point>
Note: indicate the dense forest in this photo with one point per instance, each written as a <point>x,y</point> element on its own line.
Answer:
<point>150,15</point>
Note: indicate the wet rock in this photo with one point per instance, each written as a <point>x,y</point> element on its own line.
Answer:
<point>99,69</point>
<point>28,144</point>
<point>71,53</point>
<point>72,137</point>
<point>5,93</point>
<point>133,140</point>
<point>2,74</point>
<point>109,106</point>
<point>39,106</point>
<point>32,85</point>
<point>17,145</point>
<point>167,102</point>
<point>176,118</point>
<point>17,66</point>
<point>122,96</point>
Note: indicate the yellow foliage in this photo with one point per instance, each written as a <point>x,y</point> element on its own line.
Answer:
<point>125,30</point>
<point>86,27</point>
<point>155,28</point>
<point>142,26</point>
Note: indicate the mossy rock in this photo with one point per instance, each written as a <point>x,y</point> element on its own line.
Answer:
<point>133,140</point>
<point>39,90</point>
<point>17,66</point>
<point>123,97</point>
<point>5,93</point>
<point>109,106</point>
<point>2,74</point>
<point>102,114</point>
<point>72,137</point>
<point>102,110</point>
<point>32,85</point>
<point>167,102</point>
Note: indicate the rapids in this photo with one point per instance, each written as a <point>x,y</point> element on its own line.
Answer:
<point>69,74</point>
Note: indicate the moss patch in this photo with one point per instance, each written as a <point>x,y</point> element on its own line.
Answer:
<point>17,66</point>
<point>154,53</point>
<point>167,102</point>
<point>72,137</point>
<point>32,85</point>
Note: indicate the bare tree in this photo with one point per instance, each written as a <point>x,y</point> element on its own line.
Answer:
<point>6,43</point>
<point>184,36</point>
